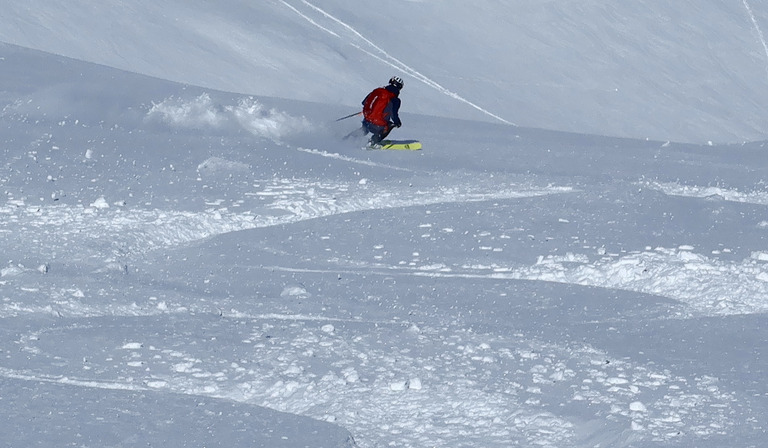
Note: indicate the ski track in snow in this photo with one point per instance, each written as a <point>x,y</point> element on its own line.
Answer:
<point>338,156</point>
<point>136,231</point>
<point>393,392</point>
<point>713,193</point>
<point>378,53</point>
<point>108,237</point>
<point>706,286</point>
<point>758,30</point>
<point>496,389</point>
<point>711,286</point>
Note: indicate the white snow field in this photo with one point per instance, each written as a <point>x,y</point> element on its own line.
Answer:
<point>688,70</point>
<point>191,255</point>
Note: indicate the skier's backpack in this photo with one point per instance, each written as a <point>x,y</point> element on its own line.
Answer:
<point>375,105</point>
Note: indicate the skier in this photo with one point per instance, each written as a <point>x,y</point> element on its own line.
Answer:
<point>380,111</point>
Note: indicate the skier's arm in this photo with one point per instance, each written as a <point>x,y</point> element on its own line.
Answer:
<point>395,105</point>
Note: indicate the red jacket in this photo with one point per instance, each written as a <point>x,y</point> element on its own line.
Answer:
<point>377,108</point>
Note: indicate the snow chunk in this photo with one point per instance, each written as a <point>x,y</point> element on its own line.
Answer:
<point>398,386</point>
<point>414,384</point>
<point>100,203</point>
<point>293,371</point>
<point>294,291</point>
<point>78,293</point>
<point>351,375</point>
<point>184,367</point>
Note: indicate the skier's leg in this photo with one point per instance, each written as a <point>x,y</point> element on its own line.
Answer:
<point>377,137</point>
<point>381,133</point>
<point>378,133</point>
<point>385,132</point>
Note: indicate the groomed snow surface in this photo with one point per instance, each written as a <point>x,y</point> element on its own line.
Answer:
<point>189,267</point>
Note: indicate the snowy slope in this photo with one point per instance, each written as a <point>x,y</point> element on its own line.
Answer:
<point>188,266</point>
<point>689,70</point>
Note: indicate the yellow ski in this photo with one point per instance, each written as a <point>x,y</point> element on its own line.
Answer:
<point>411,145</point>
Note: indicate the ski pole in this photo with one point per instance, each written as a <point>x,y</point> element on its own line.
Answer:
<point>349,116</point>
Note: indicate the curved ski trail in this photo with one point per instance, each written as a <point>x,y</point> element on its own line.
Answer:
<point>356,39</point>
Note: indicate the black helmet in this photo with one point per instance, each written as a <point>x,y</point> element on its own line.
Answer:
<point>396,81</point>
